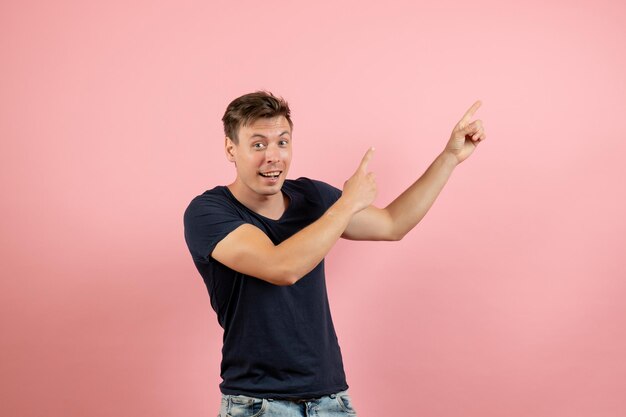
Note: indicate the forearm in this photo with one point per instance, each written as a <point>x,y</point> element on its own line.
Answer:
<point>412,205</point>
<point>299,254</point>
<point>250,251</point>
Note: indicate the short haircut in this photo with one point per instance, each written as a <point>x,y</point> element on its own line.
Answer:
<point>248,108</point>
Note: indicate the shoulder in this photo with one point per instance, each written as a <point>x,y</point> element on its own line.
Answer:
<point>217,195</point>
<point>212,201</point>
<point>209,217</point>
<point>314,191</point>
<point>310,185</point>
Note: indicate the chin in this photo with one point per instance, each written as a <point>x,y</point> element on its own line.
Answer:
<point>271,190</point>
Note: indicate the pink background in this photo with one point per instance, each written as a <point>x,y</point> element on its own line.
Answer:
<point>507,300</point>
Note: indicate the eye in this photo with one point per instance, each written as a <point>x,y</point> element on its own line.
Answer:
<point>283,142</point>
<point>259,146</point>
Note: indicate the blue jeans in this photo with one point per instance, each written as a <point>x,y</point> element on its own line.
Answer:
<point>333,405</point>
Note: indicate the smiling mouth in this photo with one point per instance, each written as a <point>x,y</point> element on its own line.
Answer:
<point>270,174</point>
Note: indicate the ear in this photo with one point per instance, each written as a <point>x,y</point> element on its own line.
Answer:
<point>230,148</point>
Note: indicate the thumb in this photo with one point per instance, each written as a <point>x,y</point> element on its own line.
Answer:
<point>468,129</point>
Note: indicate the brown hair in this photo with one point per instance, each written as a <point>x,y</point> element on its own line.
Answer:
<point>246,109</point>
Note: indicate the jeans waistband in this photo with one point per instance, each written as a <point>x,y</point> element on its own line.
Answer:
<point>303,400</point>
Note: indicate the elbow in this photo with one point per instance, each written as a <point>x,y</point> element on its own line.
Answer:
<point>287,272</point>
<point>395,236</point>
<point>398,232</point>
<point>287,281</point>
<point>280,280</point>
<point>290,280</point>
<point>285,278</point>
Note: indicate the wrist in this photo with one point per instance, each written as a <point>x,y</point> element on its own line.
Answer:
<point>448,159</point>
<point>344,205</point>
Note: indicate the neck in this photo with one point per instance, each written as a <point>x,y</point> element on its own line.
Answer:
<point>272,206</point>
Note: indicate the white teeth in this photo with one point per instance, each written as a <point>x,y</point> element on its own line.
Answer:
<point>270,174</point>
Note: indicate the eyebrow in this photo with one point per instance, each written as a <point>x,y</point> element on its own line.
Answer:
<point>258,135</point>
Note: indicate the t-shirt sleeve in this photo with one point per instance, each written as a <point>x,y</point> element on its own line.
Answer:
<point>207,220</point>
<point>327,193</point>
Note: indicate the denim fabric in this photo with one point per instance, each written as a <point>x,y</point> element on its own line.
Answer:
<point>333,405</point>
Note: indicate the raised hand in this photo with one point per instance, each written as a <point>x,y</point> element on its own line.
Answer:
<point>360,188</point>
<point>465,135</point>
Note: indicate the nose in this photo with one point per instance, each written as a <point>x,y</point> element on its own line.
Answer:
<point>272,153</point>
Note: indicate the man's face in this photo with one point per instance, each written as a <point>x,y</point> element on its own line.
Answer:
<point>262,156</point>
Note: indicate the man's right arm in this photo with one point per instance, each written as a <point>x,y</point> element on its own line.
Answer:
<point>249,251</point>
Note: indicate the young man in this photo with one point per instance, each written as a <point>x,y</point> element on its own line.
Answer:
<point>259,244</point>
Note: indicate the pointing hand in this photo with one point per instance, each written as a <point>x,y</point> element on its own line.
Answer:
<point>360,188</point>
<point>465,135</point>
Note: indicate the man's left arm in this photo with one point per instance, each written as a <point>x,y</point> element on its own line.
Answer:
<point>406,211</point>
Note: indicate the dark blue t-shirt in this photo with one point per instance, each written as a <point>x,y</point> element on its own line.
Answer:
<point>279,341</point>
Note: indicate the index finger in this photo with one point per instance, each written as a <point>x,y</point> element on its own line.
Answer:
<point>366,159</point>
<point>468,114</point>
